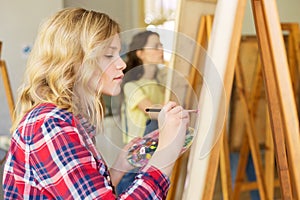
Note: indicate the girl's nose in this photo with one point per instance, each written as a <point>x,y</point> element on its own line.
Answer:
<point>121,65</point>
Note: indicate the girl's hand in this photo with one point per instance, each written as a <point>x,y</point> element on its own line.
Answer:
<point>121,166</point>
<point>173,122</point>
<point>121,162</point>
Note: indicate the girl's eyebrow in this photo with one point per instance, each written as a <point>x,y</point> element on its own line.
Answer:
<point>113,47</point>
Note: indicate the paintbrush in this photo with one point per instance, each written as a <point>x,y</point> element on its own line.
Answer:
<point>158,110</point>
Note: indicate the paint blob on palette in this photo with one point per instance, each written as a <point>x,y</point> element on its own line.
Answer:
<point>141,151</point>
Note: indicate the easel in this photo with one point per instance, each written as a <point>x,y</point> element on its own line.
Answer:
<point>282,110</point>
<point>202,172</point>
<point>262,185</point>
<point>270,182</point>
<point>250,140</point>
<point>204,31</point>
<point>203,36</point>
<point>6,83</point>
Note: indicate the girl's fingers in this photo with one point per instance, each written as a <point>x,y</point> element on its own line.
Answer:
<point>176,110</point>
<point>169,106</point>
<point>185,114</point>
<point>128,145</point>
<point>184,117</point>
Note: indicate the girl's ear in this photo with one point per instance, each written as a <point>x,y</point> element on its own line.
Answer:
<point>139,54</point>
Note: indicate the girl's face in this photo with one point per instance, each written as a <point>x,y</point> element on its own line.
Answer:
<point>152,52</point>
<point>112,66</point>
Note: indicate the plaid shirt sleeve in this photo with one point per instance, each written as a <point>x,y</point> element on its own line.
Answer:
<point>151,184</point>
<point>48,159</point>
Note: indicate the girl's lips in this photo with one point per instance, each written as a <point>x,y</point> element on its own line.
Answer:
<point>119,77</point>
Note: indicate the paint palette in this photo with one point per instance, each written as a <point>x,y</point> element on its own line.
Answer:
<point>143,149</point>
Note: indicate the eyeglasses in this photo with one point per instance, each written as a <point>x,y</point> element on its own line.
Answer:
<point>156,46</point>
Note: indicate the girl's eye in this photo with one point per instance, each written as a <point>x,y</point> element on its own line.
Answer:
<point>109,56</point>
<point>159,45</point>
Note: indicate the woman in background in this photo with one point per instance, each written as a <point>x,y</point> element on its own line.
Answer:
<point>141,88</point>
<point>75,59</point>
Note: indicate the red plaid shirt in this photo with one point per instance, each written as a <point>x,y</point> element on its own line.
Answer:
<point>52,156</point>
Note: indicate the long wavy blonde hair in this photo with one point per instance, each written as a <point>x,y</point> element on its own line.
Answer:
<point>62,61</point>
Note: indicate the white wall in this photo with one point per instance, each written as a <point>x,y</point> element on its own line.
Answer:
<point>288,12</point>
<point>19,21</point>
<point>125,12</point>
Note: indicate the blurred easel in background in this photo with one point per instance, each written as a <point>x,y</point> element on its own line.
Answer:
<point>8,93</point>
<point>6,83</point>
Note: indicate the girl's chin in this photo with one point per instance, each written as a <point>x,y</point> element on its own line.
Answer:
<point>114,92</point>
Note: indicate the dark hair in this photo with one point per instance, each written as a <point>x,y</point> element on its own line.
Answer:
<point>134,70</point>
<point>138,42</point>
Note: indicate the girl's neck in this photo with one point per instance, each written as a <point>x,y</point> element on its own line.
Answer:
<point>148,71</point>
<point>145,76</point>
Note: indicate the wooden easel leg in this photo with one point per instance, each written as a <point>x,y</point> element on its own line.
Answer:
<point>252,102</point>
<point>269,160</point>
<point>282,107</point>
<point>254,147</point>
<point>225,169</point>
<point>202,41</point>
<point>296,44</point>
<point>209,22</point>
<point>241,168</point>
<point>179,170</point>
<point>8,92</point>
<point>293,56</point>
